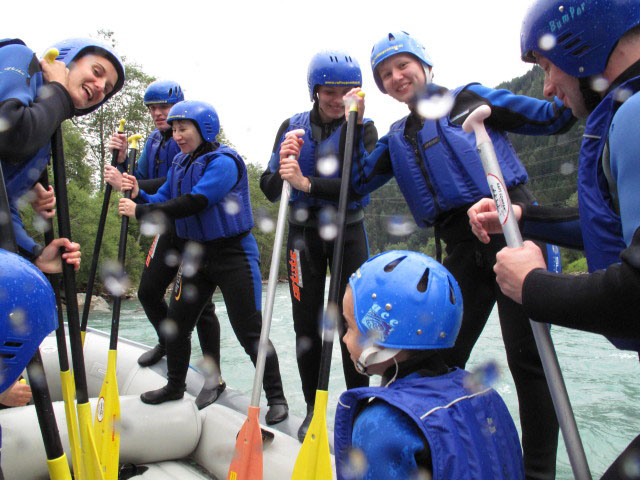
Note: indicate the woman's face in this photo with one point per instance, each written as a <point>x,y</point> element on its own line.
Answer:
<point>330,103</point>
<point>91,79</point>
<point>186,135</point>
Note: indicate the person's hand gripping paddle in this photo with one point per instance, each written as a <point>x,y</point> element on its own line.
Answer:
<point>107,416</point>
<point>247,460</point>
<point>314,458</point>
<point>557,388</point>
<point>98,244</point>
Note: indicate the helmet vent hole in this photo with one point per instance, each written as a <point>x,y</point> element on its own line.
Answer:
<point>424,282</point>
<point>389,267</point>
<point>13,344</point>
<point>564,37</point>
<point>391,37</point>
<point>571,44</point>
<point>452,295</point>
<point>581,50</point>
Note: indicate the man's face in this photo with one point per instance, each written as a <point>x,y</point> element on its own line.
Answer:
<point>91,79</point>
<point>403,77</point>
<point>562,85</point>
<point>159,113</point>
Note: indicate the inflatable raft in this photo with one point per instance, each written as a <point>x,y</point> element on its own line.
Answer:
<point>173,440</point>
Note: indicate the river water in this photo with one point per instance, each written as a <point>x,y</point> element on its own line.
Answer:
<point>602,381</point>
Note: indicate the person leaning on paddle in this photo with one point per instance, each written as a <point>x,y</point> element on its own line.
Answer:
<point>151,171</point>
<point>35,98</point>
<point>590,52</point>
<point>316,188</point>
<point>207,195</point>
<point>402,309</point>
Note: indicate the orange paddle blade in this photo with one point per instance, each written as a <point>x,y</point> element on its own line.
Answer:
<point>247,459</point>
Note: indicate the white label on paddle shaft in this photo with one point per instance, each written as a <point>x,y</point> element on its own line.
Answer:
<point>500,196</point>
<point>100,409</point>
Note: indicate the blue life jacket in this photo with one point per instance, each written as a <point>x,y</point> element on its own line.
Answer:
<point>311,152</point>
<point>600,224</point>
<point>159,155</point>
<point>449,172</point>
<point>19,80</point>
<point>471,435</point>
<point>227,218</point>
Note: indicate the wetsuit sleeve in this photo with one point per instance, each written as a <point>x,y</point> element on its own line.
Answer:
<point>152,185</point>
<point>514,113</point>
<point>605,302</point>
<point>371,171</point>
<point>31,126</point>
<point>399,452</point>
<point>624,147</point>
<point>270,180</point>
<point>560,226</point>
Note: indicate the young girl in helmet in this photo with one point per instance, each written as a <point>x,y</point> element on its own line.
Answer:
<point>151,171</point>
<point>403,308</point>
<point>207,195</point>
<point>35,98</point>
<point>315,179</point>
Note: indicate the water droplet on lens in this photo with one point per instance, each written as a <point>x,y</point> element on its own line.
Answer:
<point>328,166</point>
<point>623,94</point>
<point>547,42</point>
<point>599,84</point>
<point>327,227</point>
<point>168,329</point>
<point>189,292</point>
<point>303,346</point>
<point>154,223</point>
<point>191,259</point>
<point>172,258</point>
<point>40,224</point>
<point>631,464</point>
<point>114,278</point>
<point>33,174</point>
<point>37,376</point>
<point>354,464</point>
<point>400,226</point>
<point>301,214</point>
<point>231,206</point>
<point>18,320</point>
<point>435,106</point>
<point>482,377</point>
<point>567,168</point>
<point>264,221</point>
<point>4,124</point>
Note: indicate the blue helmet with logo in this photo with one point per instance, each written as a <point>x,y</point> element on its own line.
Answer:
<point>73,48</point>
<point>27,314</point>
<point>392,44</point>
<point>406,300</point>
<point>163,91</point>
<point>202,113</point>
<point>577,36</point>
<point>333,68</point>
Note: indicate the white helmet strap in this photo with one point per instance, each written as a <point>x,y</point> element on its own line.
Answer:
<point>374,355</point>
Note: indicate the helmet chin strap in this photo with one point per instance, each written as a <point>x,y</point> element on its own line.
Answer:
<point>372,356</point>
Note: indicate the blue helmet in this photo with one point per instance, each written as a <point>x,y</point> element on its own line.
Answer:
<point>393,43</point>
<point>406,300</point>
<point>27,314</point>
<point>74,48</point>
<point>577,36</point>
<point>163,91</point>
<point>333,68</point>
<point>202,113</point>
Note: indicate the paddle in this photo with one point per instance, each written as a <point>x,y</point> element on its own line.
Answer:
<point>247,460</point>
<point>108,408</point>
<point>314,458</point>
<point>98,244</point>
<point>88,447</point>
<point>66,380</point>
<point>559,395</point>
<point>56,458</point>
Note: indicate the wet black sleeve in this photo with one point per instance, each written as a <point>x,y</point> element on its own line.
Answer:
<point>151,185</point>
<point>605,302</point>
<point>270,182</point>
<point>179,207</point>
<point>557,225</point>
<point>31,126</point>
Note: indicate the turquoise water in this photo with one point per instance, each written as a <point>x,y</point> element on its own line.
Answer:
<point>602,381</point>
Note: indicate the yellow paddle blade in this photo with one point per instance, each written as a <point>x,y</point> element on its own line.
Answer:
<point>314,457</point>
<point>88,444</point>
<point>59,468</point>
<point>69,397</point>
<point>247,458</point>
<point>82,335</point>
<point>107,419</point>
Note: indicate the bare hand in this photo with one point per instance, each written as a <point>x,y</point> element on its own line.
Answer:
<point>118,141</point>
<point>129,182</point>
<point>127,208</point>
<point>113,177</point>
<point>513,265</point>
<point>49,260</point>
<point>351,97</point>
<point>55,71</point>
<point>290,171</point>
<point>43,201</point>
<point>290,146</point>
<point>484,220</point>
<point>17,395</point>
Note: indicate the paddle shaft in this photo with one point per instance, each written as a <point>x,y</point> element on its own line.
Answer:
<point>68,273</point>
<point>122,252</point>
<point>331,312</point>
<point>98,242</point>
<point>541,333</point>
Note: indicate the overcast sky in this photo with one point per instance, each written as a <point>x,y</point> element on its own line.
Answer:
<point>249,58</point>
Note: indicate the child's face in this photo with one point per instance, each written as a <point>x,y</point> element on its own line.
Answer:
<point>91,78</point>
<point>353,338</point>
